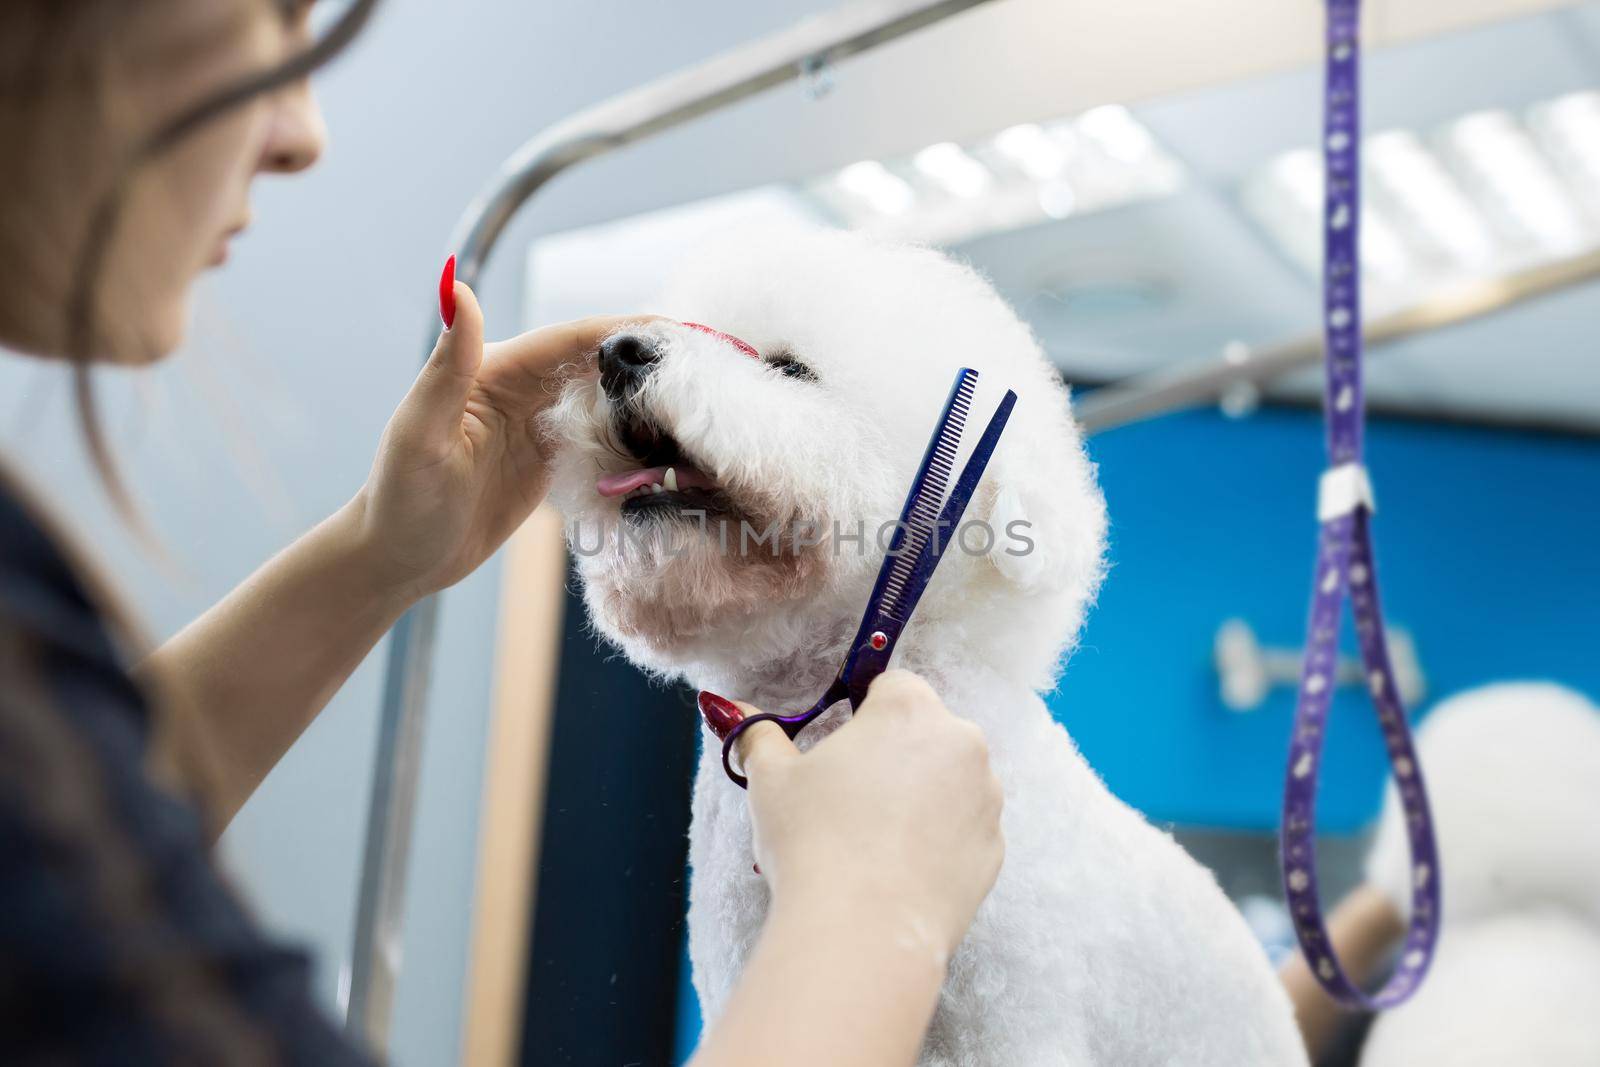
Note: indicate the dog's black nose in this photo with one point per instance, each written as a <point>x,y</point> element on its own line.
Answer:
<point>624,361</point>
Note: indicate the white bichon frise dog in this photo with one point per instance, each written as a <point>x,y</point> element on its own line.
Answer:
<point>1514,779</point>
<point>724,508</point>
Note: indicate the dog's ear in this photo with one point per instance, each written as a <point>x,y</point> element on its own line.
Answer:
<point>1045,509</point>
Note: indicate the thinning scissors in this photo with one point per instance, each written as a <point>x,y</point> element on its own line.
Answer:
<point>913,554</point>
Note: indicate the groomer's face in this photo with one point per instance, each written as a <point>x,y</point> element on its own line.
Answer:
<point>190,202</point>
<point>139,65</point>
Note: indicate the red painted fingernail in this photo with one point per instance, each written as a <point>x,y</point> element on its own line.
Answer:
<point>447,293</point>
<point>756,867</point>
<point>721,714</point>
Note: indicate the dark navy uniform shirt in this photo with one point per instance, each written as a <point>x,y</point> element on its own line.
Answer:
<point>120,943</point>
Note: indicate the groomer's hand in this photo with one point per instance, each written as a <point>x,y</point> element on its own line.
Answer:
<point>896,814</point>
<point>462,464</point>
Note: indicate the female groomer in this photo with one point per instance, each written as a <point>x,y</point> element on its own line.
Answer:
<point>131,131</point>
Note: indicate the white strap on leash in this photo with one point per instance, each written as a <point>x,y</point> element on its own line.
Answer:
<point>1343,489</point>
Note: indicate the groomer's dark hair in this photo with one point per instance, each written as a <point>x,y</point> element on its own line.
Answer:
<point>49,774</point>
<point>51,48</point>
<point>82,328</point>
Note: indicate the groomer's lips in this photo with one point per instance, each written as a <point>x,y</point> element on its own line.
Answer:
<point>219,255</point>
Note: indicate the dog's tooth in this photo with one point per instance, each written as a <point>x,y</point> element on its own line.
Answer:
<point>655,488</point>
<point>670,480</point>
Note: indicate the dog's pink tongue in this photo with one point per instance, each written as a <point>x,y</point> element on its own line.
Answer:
<point>627,481</point>
<point>685,477</point>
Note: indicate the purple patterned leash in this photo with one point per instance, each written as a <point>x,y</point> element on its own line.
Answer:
<point>1345,565</point>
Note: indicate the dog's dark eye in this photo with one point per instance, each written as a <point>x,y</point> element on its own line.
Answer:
<point>786,364</point>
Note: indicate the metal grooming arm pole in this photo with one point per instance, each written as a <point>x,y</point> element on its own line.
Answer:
<point>1200,382</point>
<point>804,49</point>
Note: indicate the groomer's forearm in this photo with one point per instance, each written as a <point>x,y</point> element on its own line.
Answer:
<point>829,985</point>
<point>255,670</point>
<point>1363,929</point>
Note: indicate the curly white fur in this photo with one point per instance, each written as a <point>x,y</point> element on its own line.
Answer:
<point>1103,943</point>
<point>1513,775</point>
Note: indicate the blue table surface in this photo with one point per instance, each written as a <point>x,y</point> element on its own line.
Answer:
<point>1486,553</point>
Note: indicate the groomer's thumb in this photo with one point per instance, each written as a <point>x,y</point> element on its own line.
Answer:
<point>762,747</point>
<point>440,393</point>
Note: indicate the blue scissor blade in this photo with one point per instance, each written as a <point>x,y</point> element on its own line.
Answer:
<point>921,521</point>
<point>920,570</point>
<point>967,484</point>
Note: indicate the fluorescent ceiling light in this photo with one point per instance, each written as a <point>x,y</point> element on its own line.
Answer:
<point>1567,130</point>
<point>1512,180</point>
<point>1484,195</point>
<point>950,166</point>
<point>1022,176</point>
<point>1287,200</point>
<point>1114,129</point>
<point>1425,201</point>
<point>1057,199</point>
<point>1038,154</point>
<point>878,186</point>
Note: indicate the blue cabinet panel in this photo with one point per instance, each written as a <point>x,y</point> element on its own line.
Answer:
<point>1486,544</point>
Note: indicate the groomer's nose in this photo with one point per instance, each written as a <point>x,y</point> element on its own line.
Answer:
<point>624,361</point>
<point>298,135</point>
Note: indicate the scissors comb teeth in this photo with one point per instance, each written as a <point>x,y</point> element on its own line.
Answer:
<point>919,521</point>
